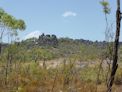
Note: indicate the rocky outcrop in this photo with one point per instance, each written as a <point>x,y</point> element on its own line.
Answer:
<point>48,40</point>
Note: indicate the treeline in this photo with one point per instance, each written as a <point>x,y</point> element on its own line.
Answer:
<point>48,47</point>
<point>53,41</point>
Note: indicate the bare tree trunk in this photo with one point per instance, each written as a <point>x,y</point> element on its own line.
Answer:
<point>1,36</point>
<point>0,47</point>
<point>115,51</point>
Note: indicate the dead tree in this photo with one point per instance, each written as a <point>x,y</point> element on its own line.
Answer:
<point>115,50</point>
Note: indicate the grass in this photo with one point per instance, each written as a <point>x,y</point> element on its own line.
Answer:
<point>30,77</point>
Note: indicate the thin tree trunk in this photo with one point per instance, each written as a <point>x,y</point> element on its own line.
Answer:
<point>1,36</point>
<point>115,51</point>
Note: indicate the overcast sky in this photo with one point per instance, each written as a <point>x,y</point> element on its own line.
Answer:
<point>64,18</point>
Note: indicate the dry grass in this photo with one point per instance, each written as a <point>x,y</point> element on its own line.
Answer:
<point>68,78</point>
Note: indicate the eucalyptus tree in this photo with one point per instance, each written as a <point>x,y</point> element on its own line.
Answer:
<point>116,47</point>
<point>2,27</point>
<point>108,38</point>
<point>9,24</point>
<point>116,43</point>
<point>12,26</point>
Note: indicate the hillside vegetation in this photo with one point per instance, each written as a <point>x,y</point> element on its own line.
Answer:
<point>51,64</point>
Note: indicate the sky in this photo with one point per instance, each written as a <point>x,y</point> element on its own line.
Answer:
<point>77,19</point>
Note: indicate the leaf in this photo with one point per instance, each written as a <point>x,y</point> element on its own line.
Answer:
<point>106,8</point>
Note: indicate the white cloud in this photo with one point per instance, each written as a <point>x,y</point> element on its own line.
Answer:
<point>34,34</point>
<point>69,13</point>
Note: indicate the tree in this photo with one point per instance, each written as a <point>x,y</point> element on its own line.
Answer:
<point>2,27</point>
<point>10,25</point>
<point>116,45</point>
<point>116,42</point>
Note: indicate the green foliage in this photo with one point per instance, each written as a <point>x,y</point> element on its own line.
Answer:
<point>41,54</point>
<point>106,8</point>
<point>20,24</point>
<point>10,22</point>
<point>87,53</point>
